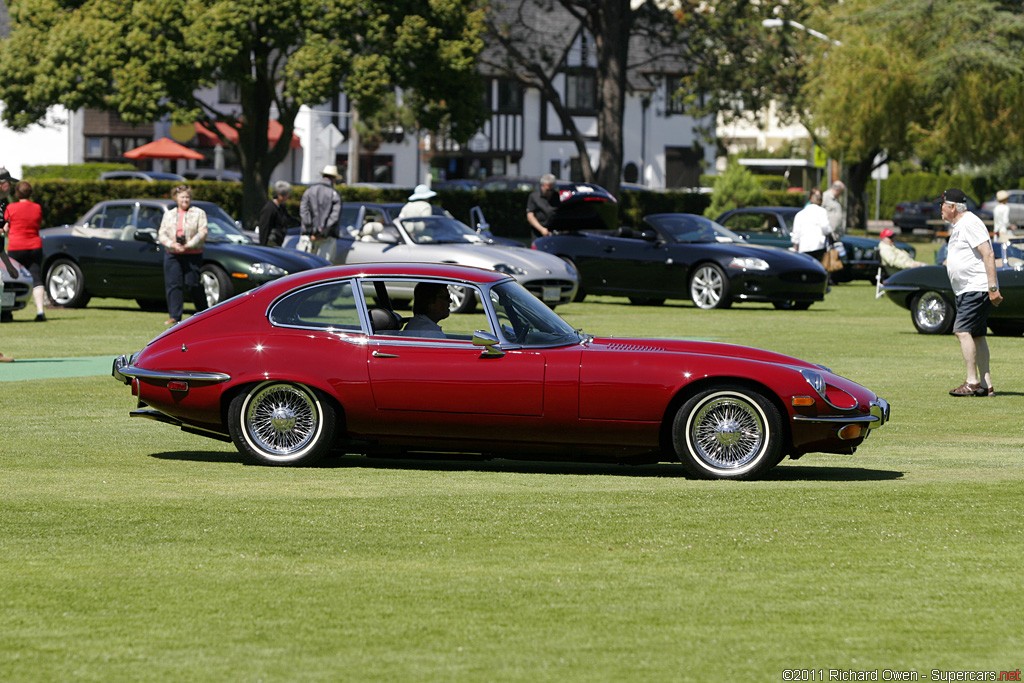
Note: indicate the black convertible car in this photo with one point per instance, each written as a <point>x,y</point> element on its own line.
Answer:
<point>686,256</point>
<point>112,251</point>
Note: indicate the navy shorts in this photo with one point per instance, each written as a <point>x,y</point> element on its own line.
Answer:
<point>972,310</point>
<point>32,259</point>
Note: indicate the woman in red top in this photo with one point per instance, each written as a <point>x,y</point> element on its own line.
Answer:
<point>23,219</point>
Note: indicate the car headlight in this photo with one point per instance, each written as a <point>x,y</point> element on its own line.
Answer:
<point>509,270</point>
<point>267,270</point>
<point>816,381</point>
<point>749,263</point>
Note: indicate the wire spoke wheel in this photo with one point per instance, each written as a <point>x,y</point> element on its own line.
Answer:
<point>733,432</point>
<point>932,314</point>
<point>281,423</point>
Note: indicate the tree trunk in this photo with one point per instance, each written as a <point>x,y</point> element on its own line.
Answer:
<point>611,24</point>
<point>858,175</point>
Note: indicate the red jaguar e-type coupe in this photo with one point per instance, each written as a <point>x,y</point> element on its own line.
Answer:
<point>321,360</point>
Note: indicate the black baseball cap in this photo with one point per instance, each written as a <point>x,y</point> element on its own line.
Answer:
<point>954,195</point>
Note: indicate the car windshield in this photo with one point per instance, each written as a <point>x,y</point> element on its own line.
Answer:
<point>525,319</point>
<point>438,230</point>
<point>221,226</point>
<point>687,227</point>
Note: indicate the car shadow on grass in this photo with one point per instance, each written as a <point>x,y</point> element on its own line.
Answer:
<point>469,463</point>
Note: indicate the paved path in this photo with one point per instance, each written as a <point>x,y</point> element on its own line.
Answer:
<point>55,368</point>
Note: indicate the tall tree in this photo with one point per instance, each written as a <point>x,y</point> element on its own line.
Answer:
<point>534,36</point>
<point>914,78</point>
<point>872,80</point>
<point>152,58</point>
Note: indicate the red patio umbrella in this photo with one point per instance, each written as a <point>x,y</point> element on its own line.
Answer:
<point>164,148</point>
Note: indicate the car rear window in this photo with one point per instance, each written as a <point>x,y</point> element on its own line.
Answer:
<point>330,305</point>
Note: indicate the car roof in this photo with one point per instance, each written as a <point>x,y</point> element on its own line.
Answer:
<point>467,274</point>
<point>140,175</point>
<point>772,209</point>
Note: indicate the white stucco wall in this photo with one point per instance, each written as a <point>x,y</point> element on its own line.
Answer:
<point>56,141</point>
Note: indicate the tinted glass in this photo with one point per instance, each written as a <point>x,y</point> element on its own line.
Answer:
<point>329,306</point>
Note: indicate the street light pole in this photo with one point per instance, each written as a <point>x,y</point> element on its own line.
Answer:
<point>781,23</point>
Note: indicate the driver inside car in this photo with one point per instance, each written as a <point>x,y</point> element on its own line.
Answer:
<point>430,305</point>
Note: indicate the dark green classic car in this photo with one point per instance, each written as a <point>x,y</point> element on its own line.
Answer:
<point>771,225</point>
<point>928,295</point>
<point>112,251</point>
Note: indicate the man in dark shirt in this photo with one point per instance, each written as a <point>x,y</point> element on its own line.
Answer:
<point>542,204</point>
<point>274,218</point>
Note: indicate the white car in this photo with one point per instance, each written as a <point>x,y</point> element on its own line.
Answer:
<point>443,239</point>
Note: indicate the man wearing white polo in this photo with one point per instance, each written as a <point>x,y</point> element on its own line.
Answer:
<point>970,263</point>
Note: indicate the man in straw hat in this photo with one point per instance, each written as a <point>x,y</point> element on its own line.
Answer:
<point>320,211</point>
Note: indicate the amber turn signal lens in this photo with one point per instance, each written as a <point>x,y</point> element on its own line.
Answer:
<point>850,432</point>
<point>802,401</point>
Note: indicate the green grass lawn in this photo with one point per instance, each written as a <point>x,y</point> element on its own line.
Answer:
<point>132,551</point>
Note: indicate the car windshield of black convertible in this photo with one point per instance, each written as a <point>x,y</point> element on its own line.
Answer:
<point>684,227</point>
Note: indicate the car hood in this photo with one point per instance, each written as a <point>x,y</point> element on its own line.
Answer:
<point>289,259</point>
<point>773,255</point>
<point>491,255</point>
<point>704,348</point>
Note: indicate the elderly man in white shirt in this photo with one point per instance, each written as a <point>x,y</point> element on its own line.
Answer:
<point>811,227</point>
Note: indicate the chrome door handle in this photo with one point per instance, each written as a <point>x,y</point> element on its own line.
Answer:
<point>381,354</point>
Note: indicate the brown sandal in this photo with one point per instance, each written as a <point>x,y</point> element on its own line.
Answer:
<point>967,389</point>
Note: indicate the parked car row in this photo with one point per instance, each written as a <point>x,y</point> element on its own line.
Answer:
<point>112,252</point>
<point>926,214</point>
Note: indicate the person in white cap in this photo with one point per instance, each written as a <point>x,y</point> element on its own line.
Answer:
<point>320,212</point>
<point>419,204</point>
<point>1001,224</point>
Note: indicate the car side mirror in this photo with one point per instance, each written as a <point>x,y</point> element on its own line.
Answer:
<point>386,237</point>
<point>492,349</point>
<point>145,235</point>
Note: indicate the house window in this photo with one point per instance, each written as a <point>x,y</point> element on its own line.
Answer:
<point>94,148</point>
<point>228,92</point>
<point>510,97</point>
<point>674,96</point>
<point>581,91</point>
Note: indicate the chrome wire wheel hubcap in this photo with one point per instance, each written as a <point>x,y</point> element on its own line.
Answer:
<point>706,288</point>
<point>728,432</point>
<point>931,310</point>
<point>282,420</point>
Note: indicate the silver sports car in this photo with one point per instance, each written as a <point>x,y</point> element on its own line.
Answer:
<point>17,286</point>
<point>442,239</point>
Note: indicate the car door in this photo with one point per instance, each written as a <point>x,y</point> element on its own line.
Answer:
<point>132,267</point>
<point>632,262</point>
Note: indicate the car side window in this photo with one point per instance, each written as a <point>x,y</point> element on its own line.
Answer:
<point>748,222</point>
<point>330,305</point>
<point>150,217</point>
